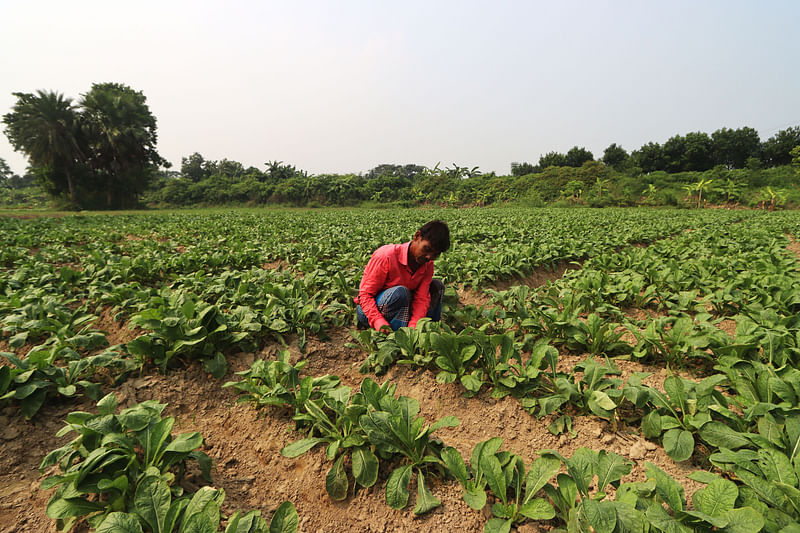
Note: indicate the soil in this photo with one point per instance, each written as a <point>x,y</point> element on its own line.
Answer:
<point>794,246</point>
<point>245,443</point>
<point>540,276</point>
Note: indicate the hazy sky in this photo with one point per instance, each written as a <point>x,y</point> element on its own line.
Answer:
<point>342,86</point>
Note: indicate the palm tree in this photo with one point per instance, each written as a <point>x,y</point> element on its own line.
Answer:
<point>122,131</point>
<point>44,127</point>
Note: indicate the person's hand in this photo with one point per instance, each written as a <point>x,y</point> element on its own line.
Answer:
<point>385,329</point>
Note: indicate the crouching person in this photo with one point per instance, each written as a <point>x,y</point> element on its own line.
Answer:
<point>398,288</point>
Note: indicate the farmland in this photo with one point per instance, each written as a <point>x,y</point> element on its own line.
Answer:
<point>610,369</point>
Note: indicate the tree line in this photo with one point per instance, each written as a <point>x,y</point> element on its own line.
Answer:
<point>100,152</point>
<point>692,152</point>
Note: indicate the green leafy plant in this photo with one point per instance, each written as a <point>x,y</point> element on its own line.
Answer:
<point>184,328</point>
<point>278,383</point>
<point>506,476</point>
<point>111,456</point>
<point>593,392</point>
<point>333,418</point>
<point>682,412</point>
<point>394,428</point>
<point>31,380</point>
<point>584,510</point>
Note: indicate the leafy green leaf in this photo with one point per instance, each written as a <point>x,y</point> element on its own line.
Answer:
<point>475,497</point>
<point>365,466</point>
<point>539,473</point>
<point>495,477</point>
<point>120,523</point>
<point>537,509</point>
<point>455,464</point>
<point>744,520</point>
<point>300,447</point>
<point>426,501</point>
<point>669,489</point>
<point>497,525</point>
<point>717,498</point>
<point>152,501</point>
<point>679,444</point>
<point>285,519</point>
<point>59,508</point>
<point>601,515</point>
<point>610,468</point>
<point>397,487</point>
<point>721,436</point>
<point>336,482</point>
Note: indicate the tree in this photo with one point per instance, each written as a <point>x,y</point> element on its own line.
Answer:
<point>615,156</point>
<point>674,152</point>
<point>577,156</point>
<point>733,148</point>
<point>122,138</point>
<point>698,154</point>
<point>522,169</point>
<point>229,168</point>
<point>5,172</point>
<point>552,159</point>
<point>407,172</point>
<point>776,149</point>
<point>573,190</point>
<point>44,126</point>
<point>795,153</point>
<point>194,167</point>
<point>650,157</point>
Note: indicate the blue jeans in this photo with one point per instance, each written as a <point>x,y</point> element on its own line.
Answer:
<point>394,304</point>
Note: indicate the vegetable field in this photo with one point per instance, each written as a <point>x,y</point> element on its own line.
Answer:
<point>595,370</point>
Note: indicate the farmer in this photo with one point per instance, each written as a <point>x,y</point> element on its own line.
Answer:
<point>398,288</point>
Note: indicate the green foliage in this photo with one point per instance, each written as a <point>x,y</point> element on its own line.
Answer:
<point>103,148</point>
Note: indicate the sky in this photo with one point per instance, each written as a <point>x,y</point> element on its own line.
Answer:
<point>343,86</point>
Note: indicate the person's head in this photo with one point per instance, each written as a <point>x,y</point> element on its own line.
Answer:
<point>429,241</point>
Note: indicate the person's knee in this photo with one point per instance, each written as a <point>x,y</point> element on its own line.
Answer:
<point>397,295</point>
<point>437,287</point>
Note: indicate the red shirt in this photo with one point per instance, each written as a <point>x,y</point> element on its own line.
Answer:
<point>388,267</point>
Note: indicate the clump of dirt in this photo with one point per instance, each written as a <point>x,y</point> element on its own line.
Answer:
<point>728,326</point>
<point>794,246</point>
<point>278,265</point>
<point>117,332</point>
<point>472,297</point>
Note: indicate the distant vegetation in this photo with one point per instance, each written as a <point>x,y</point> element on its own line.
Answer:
<point>100,154</point>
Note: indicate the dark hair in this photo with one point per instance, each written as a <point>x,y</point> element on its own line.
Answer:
<point>437,232</point>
